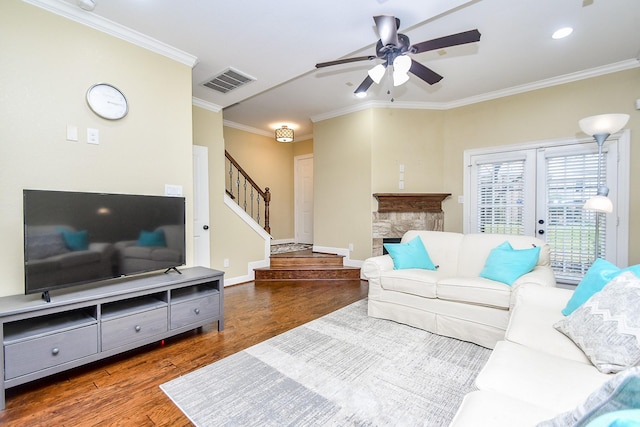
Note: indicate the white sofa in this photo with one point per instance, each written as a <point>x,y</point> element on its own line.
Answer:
<point>452,300</point>
<point>536,373</point>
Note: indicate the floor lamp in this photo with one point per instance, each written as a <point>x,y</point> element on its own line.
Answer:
<point>601,127</point>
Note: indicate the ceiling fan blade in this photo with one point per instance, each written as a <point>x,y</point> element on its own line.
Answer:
<point>366,84</point>
<point>387,29</point>
<point>424,73</point>
<point>442,42</point>
<point>345,61</point>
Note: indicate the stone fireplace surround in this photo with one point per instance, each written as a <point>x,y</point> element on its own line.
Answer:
<point>399,212</point>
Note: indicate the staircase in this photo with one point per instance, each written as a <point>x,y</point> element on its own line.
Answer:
<point>306,265</point>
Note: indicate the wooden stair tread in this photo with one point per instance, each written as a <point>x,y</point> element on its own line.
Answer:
<point>307,265</point>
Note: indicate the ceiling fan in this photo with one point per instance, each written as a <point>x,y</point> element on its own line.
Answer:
<point>393,48</point>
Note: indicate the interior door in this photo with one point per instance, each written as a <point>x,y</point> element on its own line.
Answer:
<point>201,242</point>
<point>303,189</point>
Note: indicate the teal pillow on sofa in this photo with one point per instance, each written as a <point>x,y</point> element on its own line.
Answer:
<point>505,264</point>
<point>151,238</point>
<point>412,254</point>
<point>599,274</point>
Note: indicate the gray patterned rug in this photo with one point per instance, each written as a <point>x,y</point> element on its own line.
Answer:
<point>343,369</point>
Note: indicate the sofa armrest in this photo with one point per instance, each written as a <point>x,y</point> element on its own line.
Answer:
<point>105,249</point>
<point>125,244</point>
<point>372,267</point>
<point>549,298</point>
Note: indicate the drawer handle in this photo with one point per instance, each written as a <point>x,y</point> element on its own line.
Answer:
<point>55,351</point>
<point>196,310</point>
<point>137,328</point>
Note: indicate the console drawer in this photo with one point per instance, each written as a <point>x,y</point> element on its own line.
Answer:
<point>192,311</point>
<point>127,329</point>
<point>35,354</point>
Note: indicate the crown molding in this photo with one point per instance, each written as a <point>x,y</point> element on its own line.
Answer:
<point>197,102</point>
<point>99,23</point>
<point>541,84</point>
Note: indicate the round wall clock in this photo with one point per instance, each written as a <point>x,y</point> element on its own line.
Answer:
<point>107,101</point>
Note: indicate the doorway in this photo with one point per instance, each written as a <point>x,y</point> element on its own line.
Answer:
<point>303,198</point>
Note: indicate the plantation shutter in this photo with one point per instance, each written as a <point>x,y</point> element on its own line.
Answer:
<point>571,231</point>
<point>502,186</point>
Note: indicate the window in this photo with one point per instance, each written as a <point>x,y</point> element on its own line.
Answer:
<point>539,189</point>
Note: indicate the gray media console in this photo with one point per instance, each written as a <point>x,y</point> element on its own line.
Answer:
<point>87,323</point>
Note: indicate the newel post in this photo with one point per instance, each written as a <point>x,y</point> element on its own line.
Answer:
<point>267,199</point>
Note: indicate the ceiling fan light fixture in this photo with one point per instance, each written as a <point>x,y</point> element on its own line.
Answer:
<point>284,134</point>
<point>88,5</point>
<point>377,72</point>
<point>400,78</point>
<point>402,63</point>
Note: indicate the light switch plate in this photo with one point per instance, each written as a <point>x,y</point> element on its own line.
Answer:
<point>72,133</point>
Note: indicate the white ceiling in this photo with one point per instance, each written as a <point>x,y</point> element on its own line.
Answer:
<point>278,42</point>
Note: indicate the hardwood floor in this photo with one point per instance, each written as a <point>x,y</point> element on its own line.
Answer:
<point>124,390</point>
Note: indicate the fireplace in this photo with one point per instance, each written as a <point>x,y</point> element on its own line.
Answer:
<point>399,212</point>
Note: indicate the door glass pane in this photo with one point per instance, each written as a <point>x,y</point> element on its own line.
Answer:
<point>501,194</point>
<point>571,230</point>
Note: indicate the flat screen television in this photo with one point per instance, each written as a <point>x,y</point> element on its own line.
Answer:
<point>71,238</point>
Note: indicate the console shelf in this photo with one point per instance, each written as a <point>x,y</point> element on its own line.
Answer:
<point>91,322</point>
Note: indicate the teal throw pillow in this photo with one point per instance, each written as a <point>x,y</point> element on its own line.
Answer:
<point>75,240</point>
<point>151,238</point>
<point>599,274</point>
<point>505,264</point>
<point>412,254</point>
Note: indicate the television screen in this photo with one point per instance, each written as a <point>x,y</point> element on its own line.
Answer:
<point>73,237</point>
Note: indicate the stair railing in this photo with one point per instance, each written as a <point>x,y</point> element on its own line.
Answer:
<point>246,193</point>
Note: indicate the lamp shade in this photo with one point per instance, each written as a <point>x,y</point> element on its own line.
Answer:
<point>284,134</point>
<point>599,204</point>
<point>603,124</point>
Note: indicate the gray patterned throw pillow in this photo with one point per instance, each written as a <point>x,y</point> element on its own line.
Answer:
<point>607,326</point>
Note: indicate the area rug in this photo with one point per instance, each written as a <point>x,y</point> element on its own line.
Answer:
<point>343,369</point>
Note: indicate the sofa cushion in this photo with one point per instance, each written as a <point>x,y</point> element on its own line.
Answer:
<point>410,281</point>
<point>488,408</point>
<point>599,274</point>
<point>505,264</point>
<point>607,326</point>
<point>535,312</point>
<point>474,290</point>
<point>409,255</point>
<point>619,393</point>
<point>538,378</point>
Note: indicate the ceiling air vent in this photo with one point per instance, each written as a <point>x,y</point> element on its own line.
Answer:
<point>228,80</point>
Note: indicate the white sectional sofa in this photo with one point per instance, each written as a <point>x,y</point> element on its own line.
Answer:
<point>538,373</point>
<point>453,300</point>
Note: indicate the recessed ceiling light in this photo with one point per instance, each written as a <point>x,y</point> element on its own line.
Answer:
<point>361,95</point>
<point>562,33</point>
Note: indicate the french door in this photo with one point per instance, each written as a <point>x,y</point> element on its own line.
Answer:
<point>539,189</point>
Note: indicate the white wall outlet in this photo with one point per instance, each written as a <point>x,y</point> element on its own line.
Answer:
<point>460,199</point>
<point>93,136</point>
<point>225,263</point>
<point>401,185</point>
<point>350,247</point>
<point>637,104</point>
<point>173,190</point>
<point>401,168</point>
